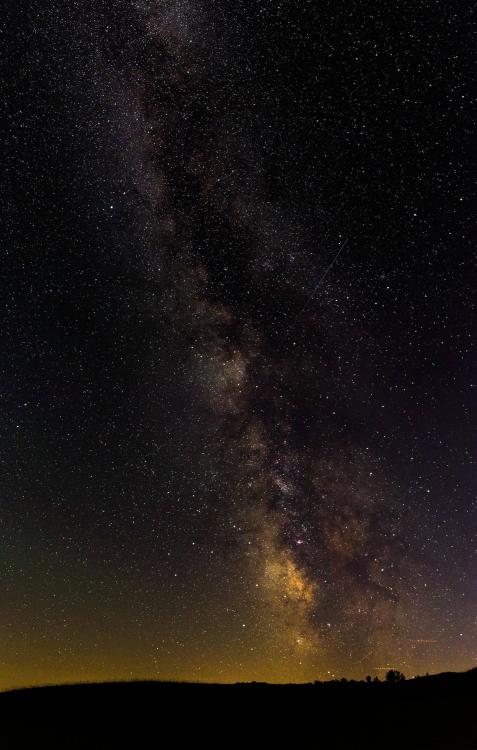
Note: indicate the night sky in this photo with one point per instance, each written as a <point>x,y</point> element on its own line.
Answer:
<point>236,439</point>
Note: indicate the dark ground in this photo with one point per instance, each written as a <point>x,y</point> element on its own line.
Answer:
<point>430,712</point>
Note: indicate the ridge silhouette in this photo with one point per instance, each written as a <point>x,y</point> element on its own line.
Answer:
<point>434,711</point>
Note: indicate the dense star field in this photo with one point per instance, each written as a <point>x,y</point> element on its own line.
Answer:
<point>236,376</point>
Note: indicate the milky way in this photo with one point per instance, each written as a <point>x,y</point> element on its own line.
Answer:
<point>237,343</point>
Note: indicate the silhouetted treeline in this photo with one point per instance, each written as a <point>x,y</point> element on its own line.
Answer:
<point>426,713</point>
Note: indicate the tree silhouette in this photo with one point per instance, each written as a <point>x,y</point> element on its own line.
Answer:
<point>394,676</point>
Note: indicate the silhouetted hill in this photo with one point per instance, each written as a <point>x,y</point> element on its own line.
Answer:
<point>437,711</point>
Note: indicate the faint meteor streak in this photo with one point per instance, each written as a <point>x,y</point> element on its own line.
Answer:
<point>325,274</point>
<point>320,282</point>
